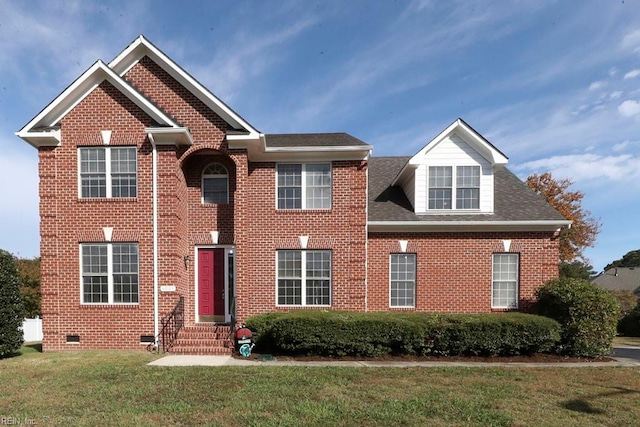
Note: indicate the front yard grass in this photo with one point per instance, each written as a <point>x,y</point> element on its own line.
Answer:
<point>117,388</point>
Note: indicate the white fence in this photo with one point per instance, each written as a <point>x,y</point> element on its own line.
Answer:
<point>32,329</point>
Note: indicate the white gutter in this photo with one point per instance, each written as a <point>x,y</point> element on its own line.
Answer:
<point>154,198</point>
<point>436,226</point>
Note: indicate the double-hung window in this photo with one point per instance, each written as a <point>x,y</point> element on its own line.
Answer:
<point>215,184</point>
<point>107,172</point>
<point>109,273</point>
<point>465,192</point>
<point>304,277</point>
<point>504,287</point>
<point>402,278</point>
<point>303,185</point>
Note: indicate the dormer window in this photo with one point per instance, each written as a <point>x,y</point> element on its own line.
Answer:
<point>215,184</point>
<point>442,192</point>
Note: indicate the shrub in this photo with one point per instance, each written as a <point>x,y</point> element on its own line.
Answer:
<point>587,313</point>
<point>629,325</point>
<point>626,299</point>
<point>10,306</point>
<point>340,333</point>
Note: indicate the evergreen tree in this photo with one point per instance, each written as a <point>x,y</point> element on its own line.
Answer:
<point>630,259</point>
<point>11,312</point>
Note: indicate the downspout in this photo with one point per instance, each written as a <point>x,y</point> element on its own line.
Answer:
<point>154,198</point>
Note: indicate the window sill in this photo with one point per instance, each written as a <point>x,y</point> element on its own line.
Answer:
<point>302,307</point>
<point>107,305</point>
<point>107,199</point>
<point>402,308</point>
<point>304,210</point>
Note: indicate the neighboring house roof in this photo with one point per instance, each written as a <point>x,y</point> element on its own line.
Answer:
<point>313,140</point>
<point>516,205</point>
<point>620,279</point>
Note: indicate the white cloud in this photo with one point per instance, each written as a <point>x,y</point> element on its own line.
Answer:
<point>616,94</point>
<point>631,41</point>
<point>629,108</point>
<point>613,71</point>
<point>632,74</point>
<point>597,85</point>
<point>588,168</point>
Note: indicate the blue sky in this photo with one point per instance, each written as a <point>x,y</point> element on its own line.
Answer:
<point>554,84</point>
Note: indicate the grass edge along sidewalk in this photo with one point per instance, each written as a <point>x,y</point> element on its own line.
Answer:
<point>117,388</point>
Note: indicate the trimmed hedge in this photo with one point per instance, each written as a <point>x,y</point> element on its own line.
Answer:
<point>588,315</point>
<point>342,333</point>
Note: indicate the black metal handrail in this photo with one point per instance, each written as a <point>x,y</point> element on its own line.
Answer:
<point>232,329</point>
<point>171,325</point>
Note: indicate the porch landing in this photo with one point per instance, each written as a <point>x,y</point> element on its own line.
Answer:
<point>203,339</point>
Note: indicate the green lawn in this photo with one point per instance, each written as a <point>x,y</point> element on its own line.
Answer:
<point>117,388</point>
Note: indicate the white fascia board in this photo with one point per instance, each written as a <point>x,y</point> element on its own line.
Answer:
<point>170,136</point>
<point>75,93</point>
<point>142,47</point>
<point>465,226</point>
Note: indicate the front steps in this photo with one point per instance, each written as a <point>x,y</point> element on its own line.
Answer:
<point>203,339</point>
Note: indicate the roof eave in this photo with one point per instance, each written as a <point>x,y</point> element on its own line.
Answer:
<point>50,138</point>
<point>466,226</point>
<point>170,136</point>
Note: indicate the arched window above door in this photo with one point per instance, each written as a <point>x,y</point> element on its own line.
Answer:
<point>215,184</point>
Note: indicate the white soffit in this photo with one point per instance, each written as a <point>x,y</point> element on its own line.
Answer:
<point>142,47</point>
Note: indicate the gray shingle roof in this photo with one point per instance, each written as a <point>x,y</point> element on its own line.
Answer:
<point>513,201</point>
<point>313,140</point>
<point>620,279</point>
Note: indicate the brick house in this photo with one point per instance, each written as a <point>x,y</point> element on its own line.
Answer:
<point>157,198</point>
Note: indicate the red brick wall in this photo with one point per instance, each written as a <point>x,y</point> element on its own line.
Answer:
<point>67,221</point>
<point>454,270</point>
<point>264,229</point>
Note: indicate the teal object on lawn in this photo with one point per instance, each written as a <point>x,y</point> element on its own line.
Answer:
<point>245,349</point>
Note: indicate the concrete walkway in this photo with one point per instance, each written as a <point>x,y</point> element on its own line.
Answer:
<point>174,360</point>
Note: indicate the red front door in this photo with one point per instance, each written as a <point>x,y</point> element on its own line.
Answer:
<point>211,285</point>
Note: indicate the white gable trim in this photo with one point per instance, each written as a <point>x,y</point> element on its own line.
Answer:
<point>468,134</point>
<point>73,95</point>
<point>142,47</point>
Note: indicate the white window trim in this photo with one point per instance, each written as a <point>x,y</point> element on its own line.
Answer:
<point>454,188</point>
<point>303,283</point>
<point>202,178</point>
<point>415,280</point>
<point>303,178</point>
<point>517,291</point>
<point>110,284</point>
<point>107,171</point>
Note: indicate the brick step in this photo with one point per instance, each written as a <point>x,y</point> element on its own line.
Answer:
<point>200,351</point>
<point>203,339</point>
<point>192,342</point>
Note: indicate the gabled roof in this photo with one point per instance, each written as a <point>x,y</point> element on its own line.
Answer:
<point>620,279</point>
<point>468,134</point>
<point>44,130</point>
<point>141,47</point>
<point>517,207</point>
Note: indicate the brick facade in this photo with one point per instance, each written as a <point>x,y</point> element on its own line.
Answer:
<point>453,269</point>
